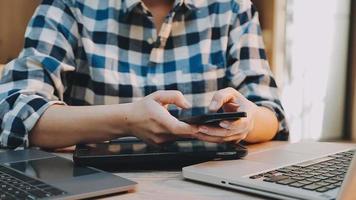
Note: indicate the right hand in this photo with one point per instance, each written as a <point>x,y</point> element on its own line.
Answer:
<point>150,120</point>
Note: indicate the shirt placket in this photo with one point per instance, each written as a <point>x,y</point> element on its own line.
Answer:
<point>157,53</point>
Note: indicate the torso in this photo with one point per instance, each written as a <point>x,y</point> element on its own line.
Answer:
<point>129,65</point>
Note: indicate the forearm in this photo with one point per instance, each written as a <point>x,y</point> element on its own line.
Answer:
<point>265,126</point>
<point>62,126</point>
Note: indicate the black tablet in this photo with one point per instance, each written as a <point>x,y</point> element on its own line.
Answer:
<point>212,118</point>
<point>133,154</point>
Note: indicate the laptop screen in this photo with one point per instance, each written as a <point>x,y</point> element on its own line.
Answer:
<point>50,169</point>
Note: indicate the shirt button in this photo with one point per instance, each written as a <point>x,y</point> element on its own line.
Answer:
<point>150,40</point>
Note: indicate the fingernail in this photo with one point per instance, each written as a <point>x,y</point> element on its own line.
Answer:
<point>203,129</point>
<point>213,105</point>
<point>225,125</point>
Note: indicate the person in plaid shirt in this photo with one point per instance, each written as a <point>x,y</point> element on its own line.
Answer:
<point>97,70</point>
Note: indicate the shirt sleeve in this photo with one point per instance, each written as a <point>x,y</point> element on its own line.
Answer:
<point>248,69</point>
<point>33,81</point>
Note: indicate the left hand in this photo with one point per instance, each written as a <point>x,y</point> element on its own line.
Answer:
<point>229,131</point>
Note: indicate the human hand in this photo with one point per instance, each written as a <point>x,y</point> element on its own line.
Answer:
<point>230,100</point>
<point>150,120</point>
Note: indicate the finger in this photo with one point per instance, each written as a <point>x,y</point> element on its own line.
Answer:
<point>168,124</point>
<point>148,140</point>
<point>157,140</point>
<point>238,141</point>
<point>187,136</point>
<point>208,138</point>
<point>238,126</point>
<point>173,126</point>
<point>182,129</point>
<point>216,131</point>
<point>221,97</point>
<point>163,138</point>
<point>234,138</point>
<point>171,97</point>
<point>231,107</point>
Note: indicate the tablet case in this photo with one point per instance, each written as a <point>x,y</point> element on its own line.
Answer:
<point>136,155</point>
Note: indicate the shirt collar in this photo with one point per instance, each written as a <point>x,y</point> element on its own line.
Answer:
<point>192,4</point>
<point>129,5</point>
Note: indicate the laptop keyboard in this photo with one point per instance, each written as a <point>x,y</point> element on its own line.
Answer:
<point>14,185</point>
<point>320,175</point>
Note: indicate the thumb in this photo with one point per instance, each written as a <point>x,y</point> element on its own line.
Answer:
<point>231,107</point>
<point>171,97</point>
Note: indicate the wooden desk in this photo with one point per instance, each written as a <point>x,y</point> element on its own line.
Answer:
<point>170,185</point>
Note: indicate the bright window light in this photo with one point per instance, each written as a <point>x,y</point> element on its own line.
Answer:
<point>313,95</point>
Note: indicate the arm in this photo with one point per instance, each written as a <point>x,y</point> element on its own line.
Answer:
<point>252,87</point>
<point>148,119</point>
<point>250,75</point>
<point>33,112</point>
<point>265,128</point>
<point>62,126</point>
<point>32,83</point>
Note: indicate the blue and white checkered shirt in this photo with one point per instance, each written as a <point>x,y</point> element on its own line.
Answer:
<point>81,52</point>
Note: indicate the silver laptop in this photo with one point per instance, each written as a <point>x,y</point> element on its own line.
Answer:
<point>34,174</point>
<point>292,171</point>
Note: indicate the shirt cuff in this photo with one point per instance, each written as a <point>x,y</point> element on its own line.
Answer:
<point>21,118</point>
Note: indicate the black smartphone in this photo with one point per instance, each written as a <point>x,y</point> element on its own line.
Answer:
<point>212,118</point>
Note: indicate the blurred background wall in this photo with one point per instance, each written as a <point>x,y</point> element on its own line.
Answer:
<point>14,15</point>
